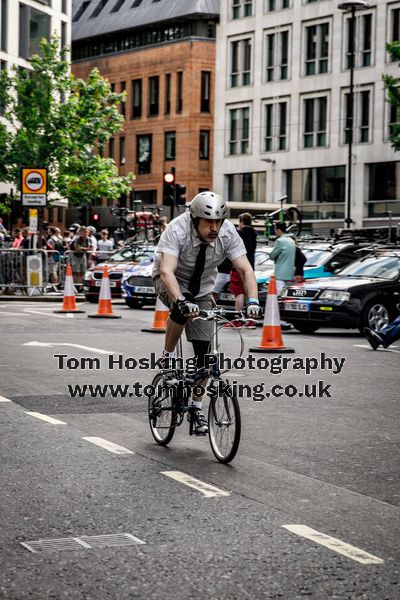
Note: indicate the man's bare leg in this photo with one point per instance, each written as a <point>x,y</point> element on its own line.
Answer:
<point>172,335</point>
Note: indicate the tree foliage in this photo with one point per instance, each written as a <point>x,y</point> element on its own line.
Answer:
<point>57,121</point>
<point>392,85</point>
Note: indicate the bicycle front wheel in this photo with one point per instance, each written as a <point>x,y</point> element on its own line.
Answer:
<point>162,417</point>
<point>224,423</point>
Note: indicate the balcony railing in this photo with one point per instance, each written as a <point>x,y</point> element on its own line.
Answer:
<point>379,209</point>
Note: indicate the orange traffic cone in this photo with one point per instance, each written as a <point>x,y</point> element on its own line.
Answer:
<point>69,303</point>
<point>104,310</point>
<point>160,318</point>
<point>271,340</point>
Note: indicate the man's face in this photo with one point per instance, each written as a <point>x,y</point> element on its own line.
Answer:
<point>209,229</point>
<point>83,232</point>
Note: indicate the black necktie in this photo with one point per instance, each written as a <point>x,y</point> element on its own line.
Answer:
<point>195,280</point>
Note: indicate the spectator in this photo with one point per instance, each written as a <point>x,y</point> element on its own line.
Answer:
<point>104,246</point>
<point>299,262</point>
<point>26,240</point>
<point>80,247</point>
<point>249,237</point>
<point>386,336</point>
<point>55,244</point>
<point>17,241</point>
<point>67,239</point>
<point>3,230</point>
<point>283,254</point>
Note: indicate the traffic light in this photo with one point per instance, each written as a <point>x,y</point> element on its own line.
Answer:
<point>95,217</point>
<point>180,191</point>
<point>169,189</point>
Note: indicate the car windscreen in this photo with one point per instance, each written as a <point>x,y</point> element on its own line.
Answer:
<point>127,254</point>
<point>262,261</point>
<point>315,256</point>
<point>382,267</point>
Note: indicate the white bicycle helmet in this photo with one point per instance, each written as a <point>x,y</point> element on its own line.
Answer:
<point>208,205</point>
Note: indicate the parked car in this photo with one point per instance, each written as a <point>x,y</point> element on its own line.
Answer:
<point>363,294</point>
<point>137,285</point>
<point>116,264</point>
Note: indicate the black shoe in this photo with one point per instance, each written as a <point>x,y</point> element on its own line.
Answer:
<point>200,423</point>
<point>373,338</point>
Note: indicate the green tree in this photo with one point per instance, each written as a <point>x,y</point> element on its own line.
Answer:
<point>56,121</point>
<point>392,85</point>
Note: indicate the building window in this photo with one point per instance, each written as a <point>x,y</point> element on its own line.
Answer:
<point>317,49</point>
<point>241,62</point>
<point>3,67</point>
<point>393,120</point>
<point>111,148</point>
<point>361,37</point>
<point>384,181</point>
<point>136,98</point>
<point>241,8</point>
<point>179,91</point>
<point>83,7</point>
<point>246,187</point>
<point>271,5</point>
<point>170,145</point>
<point>394,28</point>
<point>143,153</point>
<point>204,148</point>
<point>315,122</point>
<point>123,104</point>
<point>122,158</point>
<point>51,215</point>
<point>64,6</point>
<point>324,184</point>
<point>153,95</point>
<point>59,214</point>
<point>276,127</point>
<point>362,117</point>
<point>277,55</point>
<point>239,131</point>
<point>168,94</point>
<point>99,7</point>
<point>205,91</point>
<point>33,26</point>
<point>3,26</point>
<point>63,34</point>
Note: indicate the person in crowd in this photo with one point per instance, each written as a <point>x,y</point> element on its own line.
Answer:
<point>56,247</point>
<point>80,248</point>
<point>104,246</point>
<point>386,336</point>
<point>283,254</point>
<point>3,230</point>
<point>247,233</point>
<point>299,262</point>
<point>17,238</point>
<point>67,238</point>
<point>26,240</point>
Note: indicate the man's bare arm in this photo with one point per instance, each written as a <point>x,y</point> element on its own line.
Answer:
<point>243,267</point>
<point>168,266</point>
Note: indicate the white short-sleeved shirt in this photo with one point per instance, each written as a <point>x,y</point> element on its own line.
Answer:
<point>181,239</point>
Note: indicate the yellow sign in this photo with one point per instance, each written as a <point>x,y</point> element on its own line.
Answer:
<point>34,181</point>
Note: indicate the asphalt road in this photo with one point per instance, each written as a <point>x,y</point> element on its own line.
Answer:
<point>325,468</point>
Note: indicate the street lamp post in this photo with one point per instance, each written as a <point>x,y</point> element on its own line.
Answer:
<point>351,6</point>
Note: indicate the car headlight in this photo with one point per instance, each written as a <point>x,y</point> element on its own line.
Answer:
<point>89,275</point>
<point>335,295</point>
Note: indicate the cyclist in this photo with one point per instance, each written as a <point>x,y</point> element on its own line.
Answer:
<point>185,268</point>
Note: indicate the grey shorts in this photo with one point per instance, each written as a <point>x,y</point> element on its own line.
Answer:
<point>195,330</point>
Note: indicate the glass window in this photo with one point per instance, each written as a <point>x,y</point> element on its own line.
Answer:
<point>315,122</point>
<point>204,149</point>
<point>361,117</point>
<point>179,92</point>
<point>99,7</point>
<point>241,8</point>
<point>170,145</point>
<point>275,137</point>
<point>143,153</point>
<point>168,94</point>
<point>33,26</point>
<point>122,150</point>
<point>318,185</point>
<point>153,95</point>
<point>239,131</point>
<point>271,5</point>
<point>136,98</point>
<point>317,49</point>
<point>384,181</point>
<point>64,6</point>
<point>83,7</point>
<point>394,28</point>
<point>241,62</point>
<point>246,187</point>
<point>359,38</point>
<point>111,148</point>
<point>205,91</point>
<point>63,40</point>
<point>60,214</point>
<point>123,104</point>
<point>277,55</point>
<point>3,27</point>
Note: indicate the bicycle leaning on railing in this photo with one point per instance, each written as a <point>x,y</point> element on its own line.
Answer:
<point>173,388</point>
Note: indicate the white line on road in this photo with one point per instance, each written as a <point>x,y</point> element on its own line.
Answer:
<point>13,314</point>
<point>392,349</point>
<point>110,446</point>
<point>3,399</point>
<point>51,344</point>
<point>205,488</point>
<point>334,544</point>
<point>46,314</point>
<point>45,418</point>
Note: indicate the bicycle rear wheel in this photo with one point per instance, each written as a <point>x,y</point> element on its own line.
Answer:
<point>162,415</point>
<point>295,220</point>
<point>224,423</point>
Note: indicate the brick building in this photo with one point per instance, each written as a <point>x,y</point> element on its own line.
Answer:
<point>162,53</point>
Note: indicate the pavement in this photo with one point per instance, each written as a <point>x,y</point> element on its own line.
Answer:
<point>309,507</point>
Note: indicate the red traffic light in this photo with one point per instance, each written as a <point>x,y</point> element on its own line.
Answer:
<point>169,178</point>
<point>95,217</point>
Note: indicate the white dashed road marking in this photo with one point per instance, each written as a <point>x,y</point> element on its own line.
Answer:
<point>205,488</point>
<point>110,446</point>
<point>391,349</point>
<point>51,344</point>
<point>45,418</point>
<point>2,399</point>
<point>334,544</point>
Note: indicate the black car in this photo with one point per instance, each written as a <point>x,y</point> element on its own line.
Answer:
<point>364,294</point>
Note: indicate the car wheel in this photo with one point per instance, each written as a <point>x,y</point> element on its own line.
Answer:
<point>134,303</point>
<point>375,315</point>
<point>92,299</point>
<point>306,327</point>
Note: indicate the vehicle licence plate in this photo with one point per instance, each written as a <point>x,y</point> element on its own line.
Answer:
<point>143,290</point>
<point>112,283</point>
<point>224,296</point>
<point>296,306</point>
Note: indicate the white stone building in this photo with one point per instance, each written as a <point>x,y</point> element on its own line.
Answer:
<point>282,83</point>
